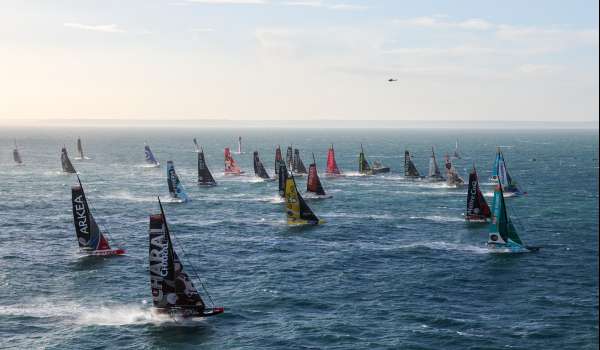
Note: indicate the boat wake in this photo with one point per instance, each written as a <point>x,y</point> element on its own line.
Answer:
<point>127,196</point>
<point>437,218</point>
<point>447,246</point>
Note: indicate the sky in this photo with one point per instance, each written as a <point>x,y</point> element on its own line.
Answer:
<point>299,60</point>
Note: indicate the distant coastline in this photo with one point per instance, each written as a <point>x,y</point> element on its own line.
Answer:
<point>305,124</point>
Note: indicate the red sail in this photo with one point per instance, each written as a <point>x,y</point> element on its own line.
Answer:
<point>313,183</point>
<point>332,168</point>
<point>231,166</point>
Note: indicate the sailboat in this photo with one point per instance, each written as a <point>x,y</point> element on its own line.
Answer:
<point>313,183</point>
<point>81,156</point>
<point>453,179</point>
<point>173,292</point>
<point>410,170</point>
<point>477,208</point>
<point>239,151</point>
<point>289,158</point>
<point>297,211</point>
<point>278,159</point>
<point>150,159</point>
<point>434,171</point>
<point>332,167</point>
<point>92,241</point>
<point>503,236</point>
<point>365,168</point>
<point>500,172</point>
<point>282,176</point>
<point>205,178</point>
<point>456,154</point>
<point>259,169</point>
<point>17,155</point>
<point>65,162</point>
<point>175,187</point>
<point>298,167</point>
<point>231,167</point>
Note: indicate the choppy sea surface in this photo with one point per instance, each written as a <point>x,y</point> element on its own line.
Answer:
<point>395,265</point>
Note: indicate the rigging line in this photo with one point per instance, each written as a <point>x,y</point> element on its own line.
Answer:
<point>193,270</point>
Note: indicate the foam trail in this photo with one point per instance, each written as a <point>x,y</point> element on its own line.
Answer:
<point>447,246</point>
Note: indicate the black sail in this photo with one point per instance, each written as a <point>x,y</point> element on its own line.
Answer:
<point>89,236</point>
<point>278,159</point>
<point>298,166</point>
<point>289,158</point>
<point>410,170</point>
<point>259,169</point>
<point>67,166</point>
<point>283,175</point>
<point>477,207</point>
<point>171,286</point>
<point>80,148</point>
<point>204,175</point>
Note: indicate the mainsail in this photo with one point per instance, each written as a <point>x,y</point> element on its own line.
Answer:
<point>172,289</point>
<point>231,167</point>
<point>205,178</point>
<point>297,164</point>
<point>434,170</point>
<point>17,155</point>
<point>456,151</point>
<point>313,183</point>
<point>332,167</point>
<point>175,186</point>
<point>91,240</point>
<point>259,169</point>
<point>282,177</point>
<point>502,233</point>
<point>500,172</point>
<point>67,166</point>
<point>80,149</point>
<point>410,170</point>
<point>289,158</point>
<point>278,159</point>
<point>150,159</point>
<point>477,207</point>
<point>239,145</point>
<point>363,164</point>
<point>297,211</point>
<point>453,178</point>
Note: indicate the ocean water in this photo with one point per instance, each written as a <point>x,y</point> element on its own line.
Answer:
<point>395,266</point>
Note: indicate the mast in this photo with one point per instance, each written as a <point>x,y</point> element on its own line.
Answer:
<point>176,189</point>
<point>65,162</point>
<point>204,176</point>
<point>502,230</point>
<point>313,183</point>
<point>239,145</point>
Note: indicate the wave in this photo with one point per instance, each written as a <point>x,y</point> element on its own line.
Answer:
<point>447,246</point>
<point>437,218</point>
<point>128,196</point>
<point>359,216</point>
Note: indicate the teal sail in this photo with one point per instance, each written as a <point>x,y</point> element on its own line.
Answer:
<point>500,173</point>
<point>176,189</point>
<point>503,233</point>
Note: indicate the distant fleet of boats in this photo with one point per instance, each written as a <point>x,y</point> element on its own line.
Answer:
<point>172,289</point>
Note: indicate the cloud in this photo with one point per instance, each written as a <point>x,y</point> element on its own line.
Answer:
<point>330,6</point>
<point>440,21</point>
<point>548,36</point>
<point>230,2</point>
<point>107,28</point>
<point>202,30</point>
<point>539,69</point>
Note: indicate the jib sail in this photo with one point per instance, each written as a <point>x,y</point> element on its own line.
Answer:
<point>88,233</point>
<point>204,175</point>
<point>231,167</point>
<point>477,207</point>
<point>67,166</point>
<point>150,159</point>
<point>17,155</point>
<point>172,288</point>
<point>363,164</point>
<point>313,183</point>
<point>410,170</point>
<point>259,169</point>
<point>176,189</point>
<point>297,211</point>
<point>297,164</point>
<point>332,167</point>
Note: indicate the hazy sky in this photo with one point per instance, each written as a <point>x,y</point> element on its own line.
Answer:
<point>299,59</point>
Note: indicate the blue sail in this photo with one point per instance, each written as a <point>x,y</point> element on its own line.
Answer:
<point>510,186</point>
<point>496,164</point>
<point>175,187</point>
<point>149,156</point>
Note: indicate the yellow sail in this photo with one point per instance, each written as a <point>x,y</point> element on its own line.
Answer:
<point>298,213</point>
